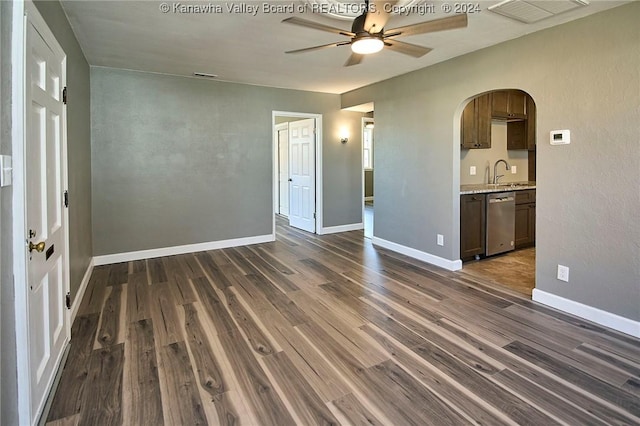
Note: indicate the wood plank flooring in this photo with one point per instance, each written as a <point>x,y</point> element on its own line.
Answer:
<point>327,330</point>
<point>515,270</point>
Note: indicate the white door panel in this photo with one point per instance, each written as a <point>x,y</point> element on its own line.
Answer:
<point>302,202</point>
<point>48,323</point>
<point>283,171</point>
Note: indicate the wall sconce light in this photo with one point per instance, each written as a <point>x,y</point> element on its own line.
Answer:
<point>344,136</point>
<point>369,125</point>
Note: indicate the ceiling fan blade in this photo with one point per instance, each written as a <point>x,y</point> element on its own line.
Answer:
<point>317,26</point>
<point>449,23</point>
<point>378,15</point>
<point>354,59</point>
<point>406,48</point>
<point>324,46</point>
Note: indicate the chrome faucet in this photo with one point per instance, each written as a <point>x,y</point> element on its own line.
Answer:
<point>496,176</point>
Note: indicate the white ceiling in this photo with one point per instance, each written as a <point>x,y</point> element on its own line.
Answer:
<point>243,48</point>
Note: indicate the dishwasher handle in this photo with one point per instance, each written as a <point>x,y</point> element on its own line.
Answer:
<point>500,200</point>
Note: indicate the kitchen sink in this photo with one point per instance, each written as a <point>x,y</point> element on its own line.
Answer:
<point>509,185</point>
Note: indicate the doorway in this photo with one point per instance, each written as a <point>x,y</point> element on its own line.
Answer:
<point>498,128</point>
<point>368,126</point>
<point>297,165</point>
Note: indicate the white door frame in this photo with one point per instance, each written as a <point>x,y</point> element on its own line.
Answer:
<point>18,144</point>
<point>318,171</point>
<point>278,128</point>
<point>365,120</point>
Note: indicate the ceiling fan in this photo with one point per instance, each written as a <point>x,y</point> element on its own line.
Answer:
<point>369,36</point>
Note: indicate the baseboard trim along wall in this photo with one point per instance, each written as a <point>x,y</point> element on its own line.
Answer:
<point>607,319</point>
<point>451,265</point>
<point>368,198</point>
<point>81,290</point>
<point>341,228</point>
<point>189,248</point>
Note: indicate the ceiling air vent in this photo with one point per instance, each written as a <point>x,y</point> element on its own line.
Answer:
<point>205,75</point>
<point>530,11</point>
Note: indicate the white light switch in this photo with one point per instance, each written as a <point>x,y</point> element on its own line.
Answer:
<point>440,239</point>
<point>472,170</point>
<point>514,170</point>
<point>5,170</point>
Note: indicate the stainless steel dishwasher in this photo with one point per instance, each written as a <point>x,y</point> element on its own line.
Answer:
<point>501,222</point>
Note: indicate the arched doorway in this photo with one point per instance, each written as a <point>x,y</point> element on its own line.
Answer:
<point>497,188</point>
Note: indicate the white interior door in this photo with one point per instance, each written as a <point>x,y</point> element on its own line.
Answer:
<point>46,251</point>
<point>283,169</point>
<point>302,201</point>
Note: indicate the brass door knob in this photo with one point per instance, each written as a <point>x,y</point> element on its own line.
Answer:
<point>37,247</point>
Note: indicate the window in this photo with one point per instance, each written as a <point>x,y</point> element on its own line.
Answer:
<point>367,146</point>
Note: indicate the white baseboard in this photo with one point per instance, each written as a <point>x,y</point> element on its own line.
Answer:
<point>368,198</point>
<point>607,319</point>
<point>81,290</point>
<point>341,228</point>
<point>189,248</point>
<point>451,265</point>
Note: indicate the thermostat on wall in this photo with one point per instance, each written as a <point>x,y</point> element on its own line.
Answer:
<point>560,137</point>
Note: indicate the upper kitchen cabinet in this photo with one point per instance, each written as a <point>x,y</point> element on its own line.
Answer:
<point>509,104</point>
<point>476,123</point>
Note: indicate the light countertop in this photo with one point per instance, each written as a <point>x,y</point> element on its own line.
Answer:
<point>501,187</point>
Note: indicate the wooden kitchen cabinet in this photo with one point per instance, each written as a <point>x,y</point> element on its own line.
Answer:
<point>472,225</point>
<point>476,123</point>
<point>525,219</point>
<point>517,135</point>
<point>508,104</point>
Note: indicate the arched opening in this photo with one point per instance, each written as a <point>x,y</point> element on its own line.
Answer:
<point>497,188</point>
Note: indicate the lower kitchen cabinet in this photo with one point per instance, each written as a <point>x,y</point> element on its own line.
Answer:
<point>472,225</point>
<point>525,219</point>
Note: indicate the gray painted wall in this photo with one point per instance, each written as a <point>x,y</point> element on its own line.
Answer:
<point>180,160</point>
<point>9,389</point>
<point>78,142</point>
<point>583,76</point>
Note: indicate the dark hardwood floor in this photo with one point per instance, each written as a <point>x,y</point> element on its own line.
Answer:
<point>331,330</point>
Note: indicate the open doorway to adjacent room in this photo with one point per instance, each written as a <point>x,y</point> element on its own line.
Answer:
<point>498,189</point>
<point>367,170</point>
<point>297,162</point>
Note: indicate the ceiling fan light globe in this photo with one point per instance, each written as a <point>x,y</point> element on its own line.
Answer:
<point>367,45</point>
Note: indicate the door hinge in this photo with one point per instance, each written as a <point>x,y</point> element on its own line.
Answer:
<point>64,95</point>
<point>314,215</point>
<point>68,300</point>
<point>66,199</point>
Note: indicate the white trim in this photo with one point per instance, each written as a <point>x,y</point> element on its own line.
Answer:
<point>276,151</point>
<point>81,290</point>
<point>451,265</point>
<point>108,259</point>
<point>18,77</point>
<point>368,198</point>
<point>318,171</point>
<point>341,228</point>
<point>604,318</point>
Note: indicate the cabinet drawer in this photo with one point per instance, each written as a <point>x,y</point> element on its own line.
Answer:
<point>526,196</point>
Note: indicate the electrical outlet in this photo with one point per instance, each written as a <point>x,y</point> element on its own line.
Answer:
<point>514,170</point>
<point>563,273</point>
<point>440,239</point>
<point>5,170</point>
<point>472,170</point>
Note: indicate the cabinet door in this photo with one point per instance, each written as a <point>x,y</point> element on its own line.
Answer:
<point>472,225</point>
<point>531,124</point>
<point>525,225</point>
<point>469,128</point>
<point>500,104</point>
<point>483,120</point>
<point>517,104</point>
<point>517,135</point>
